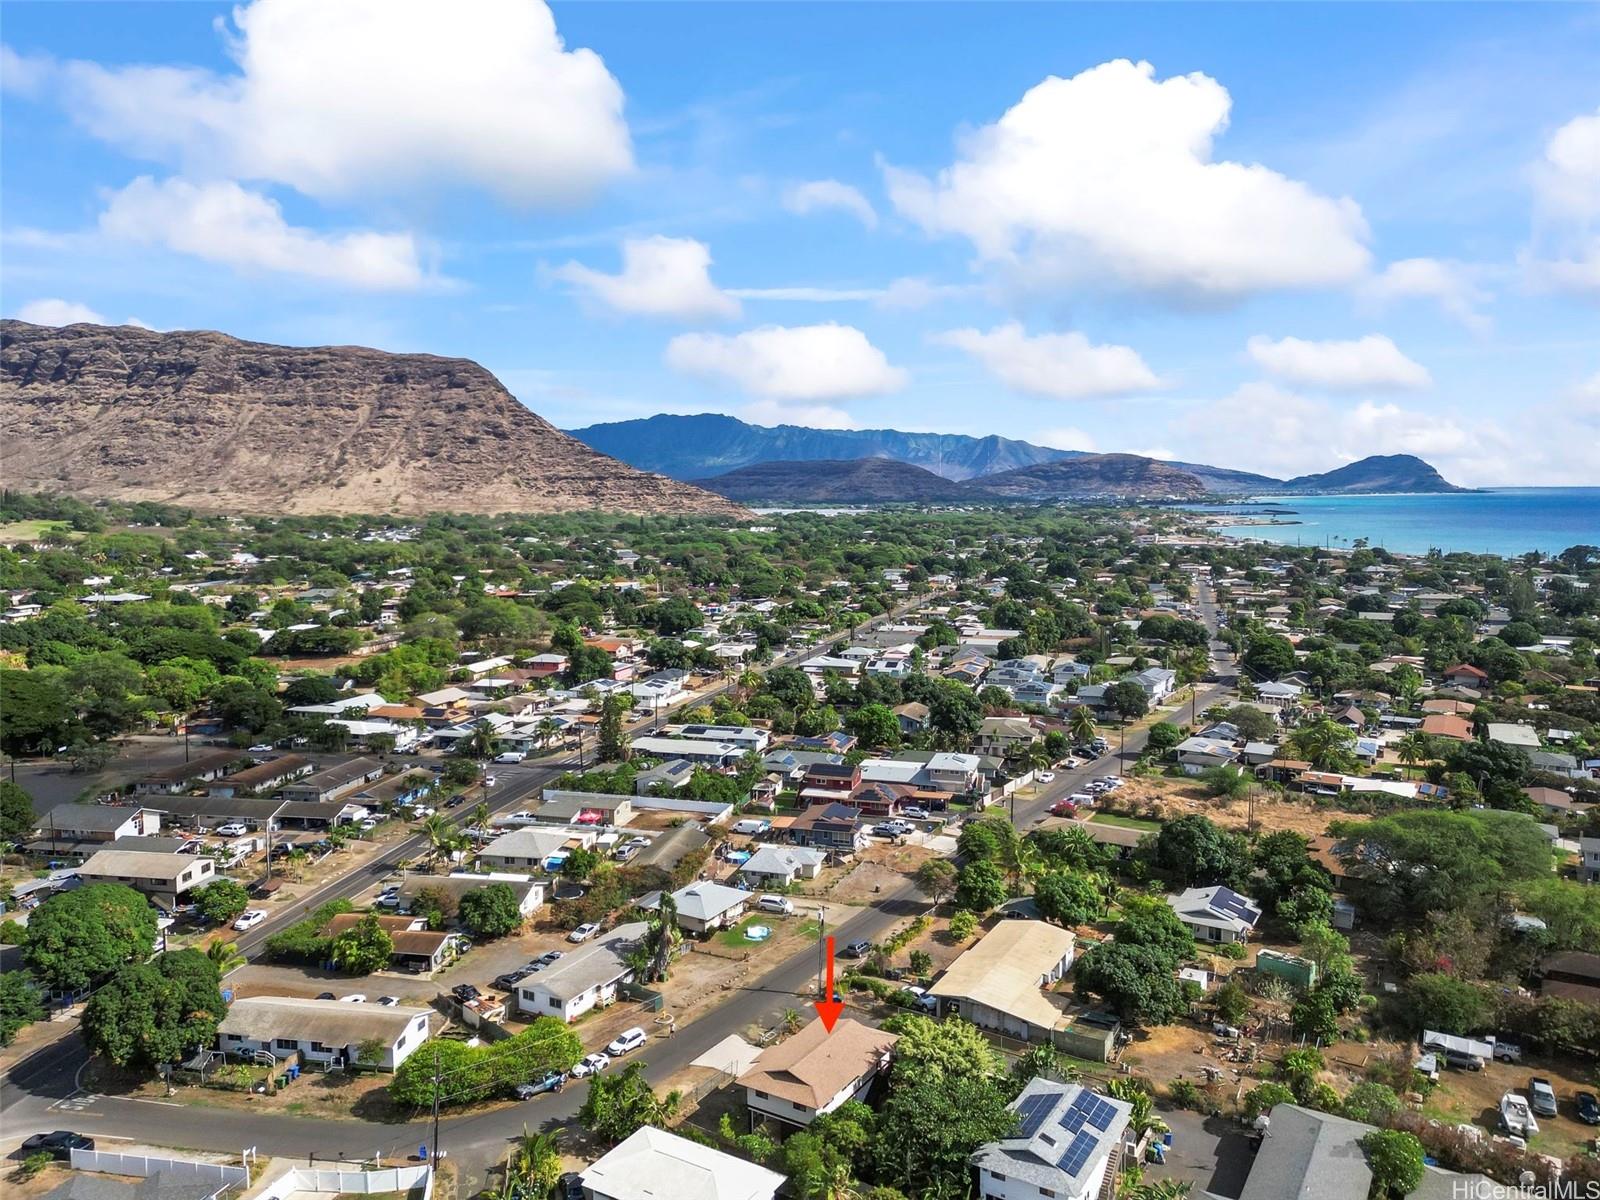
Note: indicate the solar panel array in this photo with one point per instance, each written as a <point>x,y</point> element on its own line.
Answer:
<point>1231,902</point>
<point>1078,1153</point>
<point>1033,1110</point>
<point>1088,1109</point>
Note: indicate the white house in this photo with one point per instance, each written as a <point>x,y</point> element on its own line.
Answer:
<point>953,773</point>
<point>1216,913</point>
<point>1158,683</point>
<point>321,1031</point>
<point>653,1164</point>
<point>527,848</point>
<point>703,906</point>
<point>773,866</point>
<point>1069,1142</point>
<point>584,978</point>
<point>998,984</point>
<point>165,878</point>
<point>814,1072</point>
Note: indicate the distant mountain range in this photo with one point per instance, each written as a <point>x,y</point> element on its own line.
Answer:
<point>802,465</point>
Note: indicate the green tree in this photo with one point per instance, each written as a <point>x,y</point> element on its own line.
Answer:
<point>1197,853</point>
<point>490,911</point>
<point>221,900</point>
<point>17,819</point>
<point>980,887</point>
<point>1264,1097</point>
<point>1150,921</point>
<point>1435,1001</point>
<point>1231,1003</point>
<point>936,878</point>
<point>76,937</point>
<point>154,1013</point>
<point>20,1004</point>
<point>1371,1103</point>
<point>612,745</point>
<point>963,924</point>
<point>617,1106</point>
<point>1164,735</point>
<point>1127,699</point>
<point>876,725</point>
<point>1137,982</point>
<point>1080,724</point>
<point>363,948</point>
<point>38,714</point>
<point>1068,898</point>
<point>1396,1160</point>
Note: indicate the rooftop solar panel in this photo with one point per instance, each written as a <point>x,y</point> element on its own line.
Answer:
<point>1033,1110</point>
<point>1077,1154</point>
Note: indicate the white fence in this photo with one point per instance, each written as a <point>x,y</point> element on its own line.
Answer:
<point>112,1163</point>
<point>352,1182</point>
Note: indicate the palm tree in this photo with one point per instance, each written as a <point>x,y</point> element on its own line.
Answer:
<point>226,955</point>
<point>440,834</point>
<point>1413,748</point>
<point>1143,1119</point>
<point>483,741</point>
<point>480,815</point>
<point>1080,724</point>
<point>1161,1189</point>
<point>548,727</point>
<point>535,1163</point>
<point>661,937</point>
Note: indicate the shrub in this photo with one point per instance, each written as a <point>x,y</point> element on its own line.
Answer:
<point>963,924</point>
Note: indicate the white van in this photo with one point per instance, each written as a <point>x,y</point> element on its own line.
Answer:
<point>781,905</point>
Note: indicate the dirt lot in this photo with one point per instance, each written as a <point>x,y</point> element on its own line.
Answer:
<point>1163,799</point>
<point>879,867</point>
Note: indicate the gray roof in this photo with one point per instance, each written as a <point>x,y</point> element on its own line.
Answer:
<point>332,1022</point>
<point>90,818</point>
<point>1309,1156</point>
<point>160,1185</point>
<point>244,808</point>
<point>144,864</point>
<point>598,963</point>
<point>672,847</point>
<point>1055,1143</point>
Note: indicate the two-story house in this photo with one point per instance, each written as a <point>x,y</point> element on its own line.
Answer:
<point>814,1072</point>
<point>1068,1144</point>
<point>836,828</point>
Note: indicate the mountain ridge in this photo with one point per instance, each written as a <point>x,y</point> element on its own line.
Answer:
<point>209,421</point>
<point>708,445</point>
<point>846,481</point>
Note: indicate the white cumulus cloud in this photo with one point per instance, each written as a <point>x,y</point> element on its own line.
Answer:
<point>1565,255</point>
<point>1111,174</point>
<point>224,223</point>
<point>813,416</point>
<point>661,277</point>
<point>52,311</point>
<point>1371,363</point>
<point>366,96</point>
<point>789,363</point>
<point>821,194</point>
<point>1064,366</point>
<point>1453,286</point>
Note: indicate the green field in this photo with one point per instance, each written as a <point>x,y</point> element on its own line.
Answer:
<point>1125,822</point>
<point>31,530</point>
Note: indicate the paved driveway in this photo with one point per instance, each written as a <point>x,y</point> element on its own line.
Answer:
<point>1211,1153</point>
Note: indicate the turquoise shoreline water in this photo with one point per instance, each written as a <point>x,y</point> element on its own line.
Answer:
<point>1503,521</point>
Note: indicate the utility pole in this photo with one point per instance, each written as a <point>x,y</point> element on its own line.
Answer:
<point>433,1157</point>
<point>822,949</point>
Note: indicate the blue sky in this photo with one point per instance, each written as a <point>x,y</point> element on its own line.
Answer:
<point>1267,237</point>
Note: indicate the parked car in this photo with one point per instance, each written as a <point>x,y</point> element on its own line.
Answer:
<point>231,829</point>
<point>1507,1051</point>
<point>583,932</point>
<point>752,826</point>
<point>367,824</point>
<point>488,781</point>
<point>857,949</point>
<point>510,979</point>
<point>916,813</point>
<point>388,1001</point>
<point>1462,1060</point>
<point>465,992</point>
<point>592,1064</point>
<point>510,756</point>
<point>1063,808</point>
<point>261,748</point>
<point>1588,1108</point>
<point>1046,777</point>
<point>554,1081</point>
<point>781,905</point>
<point>626,1042</point>
<point>61,1144</point>
<point>548,957</point>
<point>920,998</point>
<point>1542,1097</point>
<point>353,998</point>
<point>326,996</point>
<point>572,1186</point>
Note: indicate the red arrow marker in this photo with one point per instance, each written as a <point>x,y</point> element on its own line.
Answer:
<point>828,1008</point>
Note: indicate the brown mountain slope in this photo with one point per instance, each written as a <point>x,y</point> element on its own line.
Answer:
<point>208,421</point>
<point>1120,475</point>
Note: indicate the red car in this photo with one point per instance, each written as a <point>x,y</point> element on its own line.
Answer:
<point>1063,808</point>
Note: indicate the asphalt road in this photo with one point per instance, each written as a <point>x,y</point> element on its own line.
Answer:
<point>41,1092</point>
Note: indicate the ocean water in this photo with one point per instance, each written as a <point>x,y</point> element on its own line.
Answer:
<point>1503,521</point>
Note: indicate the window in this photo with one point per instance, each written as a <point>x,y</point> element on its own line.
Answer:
<point>286,1044</point>
<point>401,1042</point>
<point>761,1095</point>
<point>318,1048</point>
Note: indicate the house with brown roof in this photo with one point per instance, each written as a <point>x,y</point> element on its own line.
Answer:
<point>1447,725</point>
<point>1465,675</point>
<point>814,1072</point>
<point>1572,975</point>
<point>1443,704</point>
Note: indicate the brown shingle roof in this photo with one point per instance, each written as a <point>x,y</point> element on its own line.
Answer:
<point>814,1066</point>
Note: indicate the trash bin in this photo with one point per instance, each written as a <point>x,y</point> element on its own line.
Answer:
<point>294,1071</point>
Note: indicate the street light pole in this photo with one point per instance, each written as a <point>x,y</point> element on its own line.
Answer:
<point>822,948</point>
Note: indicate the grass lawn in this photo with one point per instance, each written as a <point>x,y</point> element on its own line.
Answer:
<point>1101,818</point>
<point>27,531</point>
<point>781,927</point>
